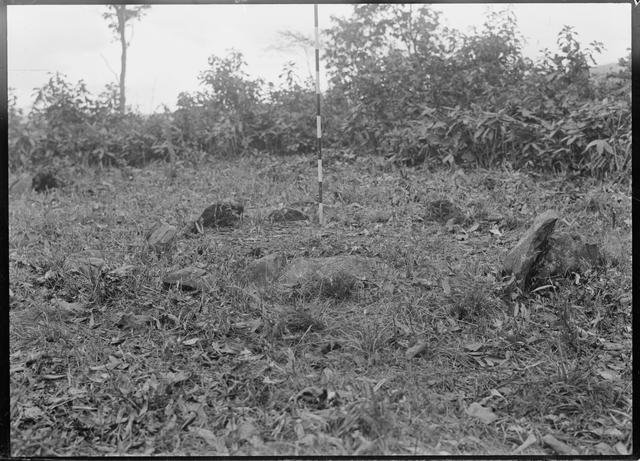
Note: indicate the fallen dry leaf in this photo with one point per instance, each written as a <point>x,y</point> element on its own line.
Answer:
<point>559,447</point>
<point>418,349</point>
<point>211,438</point>
<point>604,449</point>
<point>191,342</point>
<point>173,378</point>
<point>473,347</point>
<point>621,448</point>
<point>446,287</point>
<point>608,375</point>
<point>531,439</point>
<point>495,231</point>
<point>484,414</point>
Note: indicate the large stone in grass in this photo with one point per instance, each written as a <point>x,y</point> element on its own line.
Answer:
<point>523,259</point>
<point>89,263</point>
<point>568,253</point>
<point>45,180</point>
<point>161,236</point>
<point>287,215</point>
<point>219,215</point>
<point>189,279</point>
<point>265,270</point>
<point>334,277</point>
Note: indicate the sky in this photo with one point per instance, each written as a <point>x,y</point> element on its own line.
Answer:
<point>169,47</point>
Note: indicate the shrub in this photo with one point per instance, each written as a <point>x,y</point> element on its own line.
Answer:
<point>68,124</point>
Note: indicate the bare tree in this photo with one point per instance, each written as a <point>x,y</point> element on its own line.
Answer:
<point>292,39</point>
<point>118,17</point>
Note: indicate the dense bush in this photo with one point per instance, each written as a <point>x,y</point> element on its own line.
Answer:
<point>400,83</point>
<point>422,91</point>
<point>68,124</point>
<point>233,113</point>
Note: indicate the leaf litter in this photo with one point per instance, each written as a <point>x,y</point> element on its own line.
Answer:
<point>118,364</point>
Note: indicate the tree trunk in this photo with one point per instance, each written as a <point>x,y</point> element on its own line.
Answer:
<point>121,11</point>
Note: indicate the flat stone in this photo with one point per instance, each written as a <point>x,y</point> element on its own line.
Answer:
<point>335,276</point>
<point>189,279</point>
<point>287,215</point>
<point>88,263</point>
<point>372,216</point>
<point>265,270</point>
<point>161,236</point>
<point>522,261</point>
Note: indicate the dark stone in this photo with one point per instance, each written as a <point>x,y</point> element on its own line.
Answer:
<point>220,215</point>
<point>523,260</point>
<point>44,181</point>
<point>287,215</point>
<point>568,253</point>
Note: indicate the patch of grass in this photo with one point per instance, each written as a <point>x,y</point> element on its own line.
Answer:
<point>217,373</point>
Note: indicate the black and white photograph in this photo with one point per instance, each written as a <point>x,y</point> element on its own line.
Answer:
<point>350,229</point>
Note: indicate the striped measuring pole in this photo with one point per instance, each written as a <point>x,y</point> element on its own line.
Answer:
<point>318,117</point>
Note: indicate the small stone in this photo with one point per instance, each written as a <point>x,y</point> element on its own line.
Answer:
<point>161,236</point>
<point>189,279</point>
<point>89,263</point>
<point>287,215</point>
<point>44,181</point>
<point>266,269</point>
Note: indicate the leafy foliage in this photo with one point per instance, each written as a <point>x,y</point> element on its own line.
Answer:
<point>234,114</point>
<point>440,95</point>
<point>67,123</point>
<point>400,83</point>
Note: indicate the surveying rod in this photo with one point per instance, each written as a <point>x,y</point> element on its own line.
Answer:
<point>318,117</point>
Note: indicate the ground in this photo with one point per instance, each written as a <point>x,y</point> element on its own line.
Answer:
<point>112,362</point>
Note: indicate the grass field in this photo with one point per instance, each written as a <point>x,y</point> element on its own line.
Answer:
<point>113,363</point>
